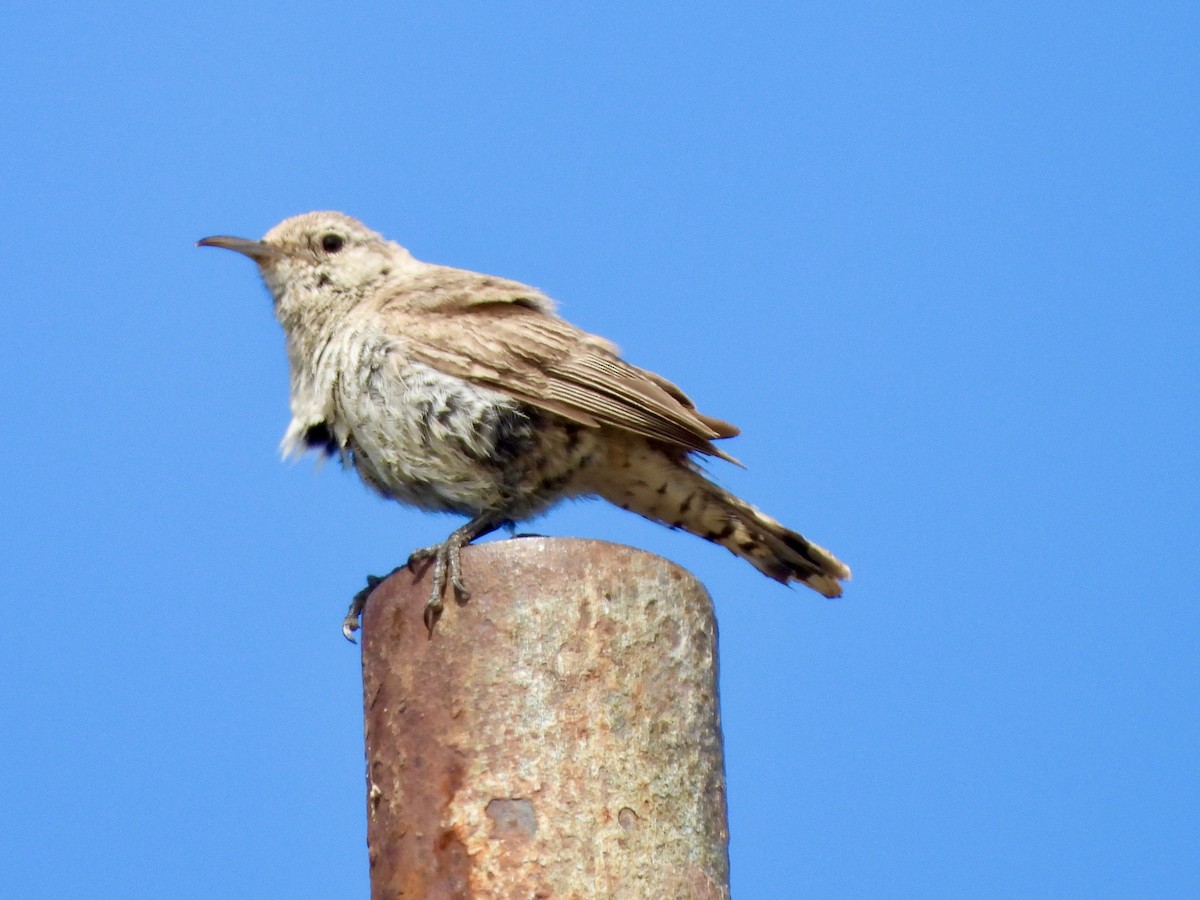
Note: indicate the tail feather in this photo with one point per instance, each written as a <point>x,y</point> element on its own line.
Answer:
<point>784,554</point>
<point>672,492</point>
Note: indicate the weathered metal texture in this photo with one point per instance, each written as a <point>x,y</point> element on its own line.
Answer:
<point>558,736</point>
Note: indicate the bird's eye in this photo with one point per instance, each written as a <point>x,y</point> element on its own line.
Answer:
<point>332,243</point>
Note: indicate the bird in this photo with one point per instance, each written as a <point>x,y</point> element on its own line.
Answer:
<point>455,391</point>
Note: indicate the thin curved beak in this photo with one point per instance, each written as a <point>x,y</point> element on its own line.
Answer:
<point>258,251</point>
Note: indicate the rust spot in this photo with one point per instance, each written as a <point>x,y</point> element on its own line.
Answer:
<point>512,818</point>
<point>453,865</point>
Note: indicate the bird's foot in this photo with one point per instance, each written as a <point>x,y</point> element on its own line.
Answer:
<point>447,561</point>
<point>350,624</point>
<point>447,565</point>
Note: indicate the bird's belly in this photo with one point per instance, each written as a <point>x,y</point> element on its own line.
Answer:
<point>436,441</point>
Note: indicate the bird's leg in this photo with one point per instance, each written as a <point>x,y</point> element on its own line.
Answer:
<point>447,560</point>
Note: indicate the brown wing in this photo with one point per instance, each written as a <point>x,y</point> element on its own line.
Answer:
<point>517,345</point>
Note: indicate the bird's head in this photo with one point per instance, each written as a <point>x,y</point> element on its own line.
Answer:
<point>310,259</point>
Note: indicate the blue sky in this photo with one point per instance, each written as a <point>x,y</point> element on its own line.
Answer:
<point>938,261</point>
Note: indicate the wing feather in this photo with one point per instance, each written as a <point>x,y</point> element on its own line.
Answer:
<point>506,336</point>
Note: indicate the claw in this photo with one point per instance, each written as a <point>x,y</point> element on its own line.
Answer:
<point>350,624</point>
<point>444,558</point>
<point>433,612</point>
<point>456,576</point>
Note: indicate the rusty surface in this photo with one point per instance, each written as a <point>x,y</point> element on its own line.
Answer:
<point>558,736</point>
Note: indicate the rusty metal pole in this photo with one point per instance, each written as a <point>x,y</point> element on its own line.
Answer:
<point>558,736</point>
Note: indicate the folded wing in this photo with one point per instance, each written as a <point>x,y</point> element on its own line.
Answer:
<point>506,336</point>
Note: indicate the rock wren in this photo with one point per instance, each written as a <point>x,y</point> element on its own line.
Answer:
<point>460,392</point>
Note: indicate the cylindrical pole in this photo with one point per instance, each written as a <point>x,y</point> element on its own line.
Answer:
<point>557,736</point>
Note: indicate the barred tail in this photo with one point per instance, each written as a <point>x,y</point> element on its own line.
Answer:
<point>781,553</point>
<point>670,491</point>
